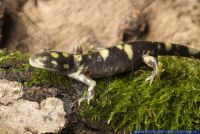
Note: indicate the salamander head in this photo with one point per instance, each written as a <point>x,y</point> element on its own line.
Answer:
<point>53,61</point>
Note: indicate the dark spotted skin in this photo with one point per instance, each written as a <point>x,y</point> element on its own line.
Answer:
<point>178,50</point>
<point>117,61</point>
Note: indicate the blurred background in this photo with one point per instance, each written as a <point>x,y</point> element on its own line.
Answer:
<point>30,25</point>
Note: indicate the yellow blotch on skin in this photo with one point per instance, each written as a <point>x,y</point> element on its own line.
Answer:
<point>129,51</point>
<point>54,55</point>
<point>78,58</point>
<point>65,54</point>
<point>168,46</point>
<point>120,47</point>
<point>104,53</point>
<point>193,51</point>
<point>66,66</point>
<point>54,63</point>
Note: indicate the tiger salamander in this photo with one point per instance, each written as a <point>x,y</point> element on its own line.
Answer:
<point>109,61</point>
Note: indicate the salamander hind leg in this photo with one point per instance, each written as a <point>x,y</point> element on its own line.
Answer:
<point>91,85</point>
<point>78,49</point>
<point>151,62</point>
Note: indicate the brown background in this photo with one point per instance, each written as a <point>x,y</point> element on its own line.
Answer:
<point>30,25</point>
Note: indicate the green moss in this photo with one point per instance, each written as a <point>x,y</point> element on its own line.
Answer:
<point>126,101</point>
<point>172,102</point>
<point>7,57</point>
<point>42,77</point>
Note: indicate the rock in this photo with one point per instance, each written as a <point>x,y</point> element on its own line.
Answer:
<point>1,17</point>
<point>9,91</point>
<point>61,24</point>
<point>174,21</point>
<point>22,116</point>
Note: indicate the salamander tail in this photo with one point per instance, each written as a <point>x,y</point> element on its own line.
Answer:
<point>176,49</point>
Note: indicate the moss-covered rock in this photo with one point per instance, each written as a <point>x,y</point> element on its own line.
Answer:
<point>171,102</point>
<point>126,101</point>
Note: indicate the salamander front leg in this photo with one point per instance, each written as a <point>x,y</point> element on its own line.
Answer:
<point>151,62</point>
<point>91,85</point>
